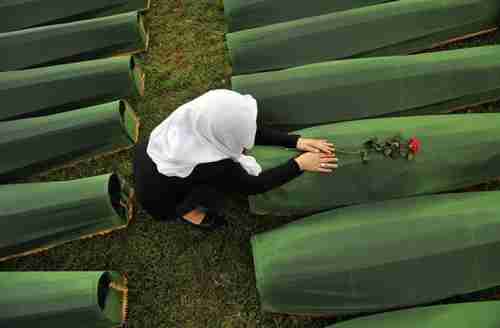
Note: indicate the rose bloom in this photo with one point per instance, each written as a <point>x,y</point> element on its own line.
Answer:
<point>414,144</point>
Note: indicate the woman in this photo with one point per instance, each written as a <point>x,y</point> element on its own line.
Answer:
<point>197,155</point>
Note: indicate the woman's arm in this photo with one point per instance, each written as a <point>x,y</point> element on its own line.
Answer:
<point>230,176</point>
<point>269,137</point>
<point>270,179</point>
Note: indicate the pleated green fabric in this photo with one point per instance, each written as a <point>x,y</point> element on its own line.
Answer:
<point>32,144</point>
<point>21,14</point>
<point>53,89</point>
<point>71,42</point>
<point>370,87</point>
<point>398,27</point>
<point>37,216</point>
<point>466,315</point>
<point>62,299</point>
<point>245,14</point>
<point>382,255</point>
<point>457,151</point>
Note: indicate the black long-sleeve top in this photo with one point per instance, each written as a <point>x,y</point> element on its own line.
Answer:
<point>160,194</point>
<point>228,175</point>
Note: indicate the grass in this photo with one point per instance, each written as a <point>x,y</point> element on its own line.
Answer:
<point>180,277</point>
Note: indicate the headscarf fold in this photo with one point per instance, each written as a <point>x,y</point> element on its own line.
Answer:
<point>217,125</point>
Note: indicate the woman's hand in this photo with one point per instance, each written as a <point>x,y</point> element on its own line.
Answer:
<point>317,162</point>
<point>315,145</point>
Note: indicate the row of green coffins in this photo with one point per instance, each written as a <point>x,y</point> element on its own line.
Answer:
<point>385,255</point>
<point>245,14</point>
<point>389,254</point>
<point>372,87</point>
<point>75,41</point>
<point>17,15</point>
<point>100,299</point>
<point>53,89</point>
<point>38,216</point>
<point>387,158</point>
<point>59,212</point>
<point>396,27</point>
<point>63,299</point>
<point>415,246</point>
<point>466,315</point>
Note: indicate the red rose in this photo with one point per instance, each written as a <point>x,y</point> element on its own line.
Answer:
<point>414,144</point>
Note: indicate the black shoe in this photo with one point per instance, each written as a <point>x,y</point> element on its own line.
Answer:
<point>209,223</point>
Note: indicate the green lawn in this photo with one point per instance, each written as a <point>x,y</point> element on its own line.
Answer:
<point>180,277</point>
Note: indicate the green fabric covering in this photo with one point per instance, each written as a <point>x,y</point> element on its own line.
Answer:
<point>77,41</point>
<point>457,151</point>
<point>466,315</point>
<point>370,87</point>
<point>65,136</point>
<point>398,27</point>
<point>382,255</point>
<point>60,299</point>
<point>54,89</point>
<point>245,14</point>
<point>36,216</point>
<point>21,14</point>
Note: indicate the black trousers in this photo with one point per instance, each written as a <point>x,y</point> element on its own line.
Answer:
<point>165,198</point>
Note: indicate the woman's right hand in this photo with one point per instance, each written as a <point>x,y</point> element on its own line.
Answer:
<point>317,162</point>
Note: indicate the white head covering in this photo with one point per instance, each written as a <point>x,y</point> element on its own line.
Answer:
<point>215,126</point>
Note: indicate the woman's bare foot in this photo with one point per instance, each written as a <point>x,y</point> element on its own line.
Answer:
<point>196,216</point>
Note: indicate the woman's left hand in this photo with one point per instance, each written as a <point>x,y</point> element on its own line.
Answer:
<point>315,145</point>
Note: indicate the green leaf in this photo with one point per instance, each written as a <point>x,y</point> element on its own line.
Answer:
<point>371,142</point>
<point>365,157</point>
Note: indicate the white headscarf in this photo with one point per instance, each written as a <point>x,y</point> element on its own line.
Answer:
<point>215,126</point>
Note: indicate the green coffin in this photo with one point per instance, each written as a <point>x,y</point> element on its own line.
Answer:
<point>466,315</point>
<point>21,14</point>
<point>71,42</point>
<point>37,216</point>
<point>457,151</point>
<point>66,136</point>
<point>245,14</point>
<point>360,88</point>
<point>380,256</point>
<point>62,299</point>
<point>398,27</point>
<point>54,89</point>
